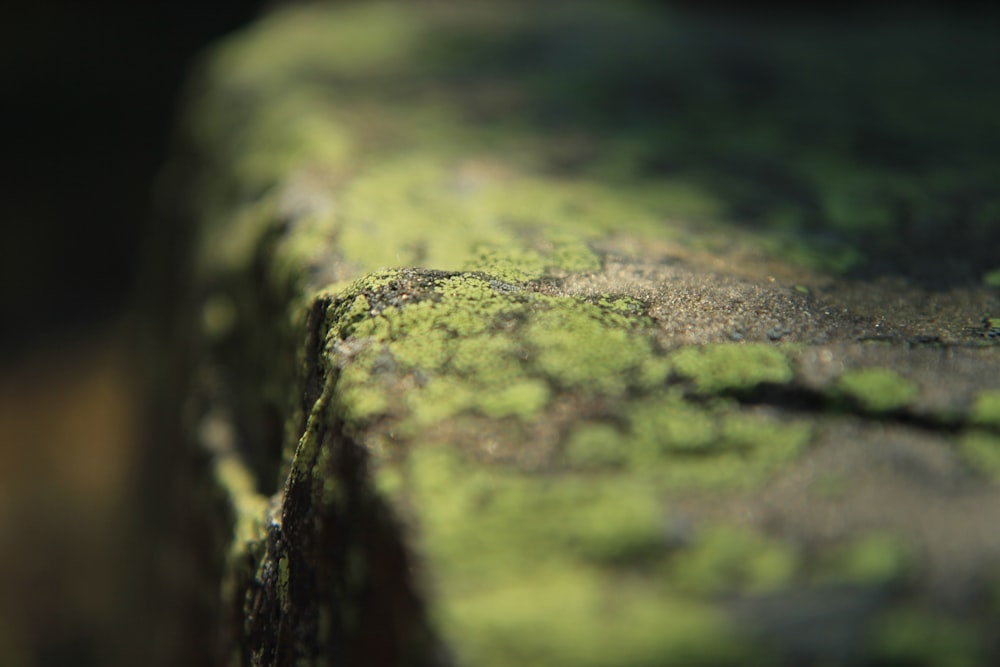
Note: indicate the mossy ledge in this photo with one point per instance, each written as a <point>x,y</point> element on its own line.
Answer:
<point>463,389</point>
<point>453,422</point>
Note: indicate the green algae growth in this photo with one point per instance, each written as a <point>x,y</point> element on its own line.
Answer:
<point>343,144</point>
<point>559,551</point>
<point>685,446</point>
<point>982,450</point>
<point>877,389</point>
<point>719,368</point>
<point>926,639</point>
<point>468,343</point>
<point>986,409</point>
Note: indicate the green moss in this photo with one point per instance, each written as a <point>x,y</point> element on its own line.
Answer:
<point>569,209</point>
<point>515,265</point>
<point>577,345</point>
<point>469,344</point>
<point>725,560</point>
<point>667,424</point>
<point>494,518</point>
<point>986,409</point>
<point>982,450</point>
<point>288,134</point>
<point>509,265</point>
<point>724,367</point>
<point>595,445</point>
<point>530,568</point>
<point>249,507</point>
<point>568,619</point>
<point>682,445</point>
<point>488,358</point>
<point>362,157</point>
<point>372,39</point>
<point>626,305</point>
<point>876,389</point>
<point>306,450</point>
<point>871,559</point>
<point>924,639</point>
<point>404,214</point>
<point>376,98</point>
<point>409,185</point>
<point>441,398</point>
<point>992,278</point>
<point>523,399</point>
<point>765,442</point>
<point>363,394</point>
<point>413,211</point>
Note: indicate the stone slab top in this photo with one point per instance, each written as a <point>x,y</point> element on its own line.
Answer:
<point>649,338</point>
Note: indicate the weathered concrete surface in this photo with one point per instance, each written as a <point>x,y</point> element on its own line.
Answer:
<point>494,366</point>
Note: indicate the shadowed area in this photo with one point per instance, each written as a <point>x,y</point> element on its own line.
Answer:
<point>88,97</point>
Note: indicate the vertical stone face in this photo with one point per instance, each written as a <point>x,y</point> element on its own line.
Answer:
<point>478,364</point>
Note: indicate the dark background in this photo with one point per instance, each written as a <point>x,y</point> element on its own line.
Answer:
<point>87,96</point>
<point>88,93</point>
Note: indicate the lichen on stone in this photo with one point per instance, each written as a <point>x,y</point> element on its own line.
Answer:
<point>559,550</point>
<point>466,343</point>
<point>926,638</point>
<point>877,389</point>
<point>982,450</point>
<point>986,409</point>
<point>564,357</point>
<point>716,368</point>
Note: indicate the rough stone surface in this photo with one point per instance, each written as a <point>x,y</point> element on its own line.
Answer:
<point>502,349</point>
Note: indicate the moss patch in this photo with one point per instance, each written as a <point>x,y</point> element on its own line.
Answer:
<point>467,343</point>
<point>726,560</point>
<point>986,409</point>
<point>876,389</point>
<point>992,279</point>
<point>438,211</point>
<point>982,450</point>
<point>553,547</point>
<point>248,506</point>
<point>869,559</point>
<point>344,143</point>
<point>916,637</point>
<point>683,445</point>
<point>717,368</point>
<point>568,619</point>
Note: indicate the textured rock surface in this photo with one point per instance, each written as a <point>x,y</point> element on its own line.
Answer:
<point>490,365</point>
